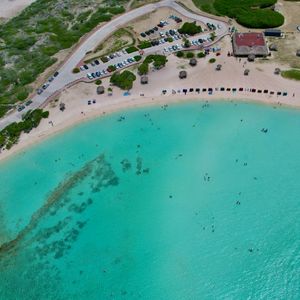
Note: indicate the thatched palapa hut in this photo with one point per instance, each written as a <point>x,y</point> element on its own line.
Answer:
<point>219,67</point>
<point>246,72</point>
<point>144,80</point>
<point>277,71</point>
<point>193,62</point>
<point>62,106</point>
<point>273,47</point>
<point>251,57</point>
<point>182,74</point>
<point>100,90</point>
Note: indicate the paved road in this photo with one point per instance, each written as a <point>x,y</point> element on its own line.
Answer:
<point>66,76</point>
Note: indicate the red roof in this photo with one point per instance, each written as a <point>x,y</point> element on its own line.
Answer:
<point>249,39</point>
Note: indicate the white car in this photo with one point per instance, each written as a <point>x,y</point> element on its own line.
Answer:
<point>81,68</point>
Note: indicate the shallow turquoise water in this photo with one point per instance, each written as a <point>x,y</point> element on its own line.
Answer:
<point>188,201</point>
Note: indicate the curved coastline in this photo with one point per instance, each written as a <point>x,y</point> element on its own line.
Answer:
<point>36,137</point>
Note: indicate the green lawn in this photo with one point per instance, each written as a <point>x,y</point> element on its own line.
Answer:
<point>249,13</point>
<point>291,74</point>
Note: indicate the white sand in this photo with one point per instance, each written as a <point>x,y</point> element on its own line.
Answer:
<point>10,8</point>
<point>203,75</point>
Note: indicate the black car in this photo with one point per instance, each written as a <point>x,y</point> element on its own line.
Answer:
<point>155,28</point>
<point>85,66</point>
<point>143,34</point>
<point>151,30</point>
<point>97,62</point>
<point>148,32</point>
<point>55,74</point>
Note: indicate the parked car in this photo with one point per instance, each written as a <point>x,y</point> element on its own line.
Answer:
<point>28,102</point>
<point>55,74</point>
<point>96,61</point>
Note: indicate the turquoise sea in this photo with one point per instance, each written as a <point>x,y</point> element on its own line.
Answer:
<point>185,201</point>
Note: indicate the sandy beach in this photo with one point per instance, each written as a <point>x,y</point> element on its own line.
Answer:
<point>204,75</point>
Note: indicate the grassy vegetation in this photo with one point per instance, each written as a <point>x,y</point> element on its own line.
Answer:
<point>249,13</point>
<point>291,74</point>
<point>123,80</point>
<point>206,5</point>
<point>29,41</point>
<point>131,49</point>
<point>10,135</point>
<point>144,45</point>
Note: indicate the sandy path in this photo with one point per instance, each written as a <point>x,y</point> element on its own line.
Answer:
<point>10,8</point>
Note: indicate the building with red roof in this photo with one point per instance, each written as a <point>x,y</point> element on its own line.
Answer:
<point>249,44</point>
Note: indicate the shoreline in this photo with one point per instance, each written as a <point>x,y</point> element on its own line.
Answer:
<point>34,138</point>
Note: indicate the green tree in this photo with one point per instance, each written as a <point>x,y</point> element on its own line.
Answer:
<point>190,28</point>
<point>179,54</point>
<point>123,80</point>
<point>143,69</point>
<point>190,55</point>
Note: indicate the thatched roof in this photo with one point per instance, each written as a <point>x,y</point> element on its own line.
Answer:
<point>182,74</point>
<point>251,57</point>
<point>273,47</point>
<point>62,106</point>
<point>219,67</point>
<point>246,72</point>
<point>144,79</point>
<point>277,71</point>
<point>100,90</point>
<point>193,62</point>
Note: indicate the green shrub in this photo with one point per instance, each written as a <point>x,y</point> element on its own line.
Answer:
<point>123,80</point>
<point>76,70</point>
<point>190,55</point>
<point>98,81</point>
<point>137,57</point>
<point>180,54</point>
<point>190,28</point>
<point>22,95</point>
<point>201,54</point>
<point>170,39</point>
<point>131,49</point>
<point>212,60</point>
<point>143,69</point>
<point>11,133</point>
<point>143,45</point>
